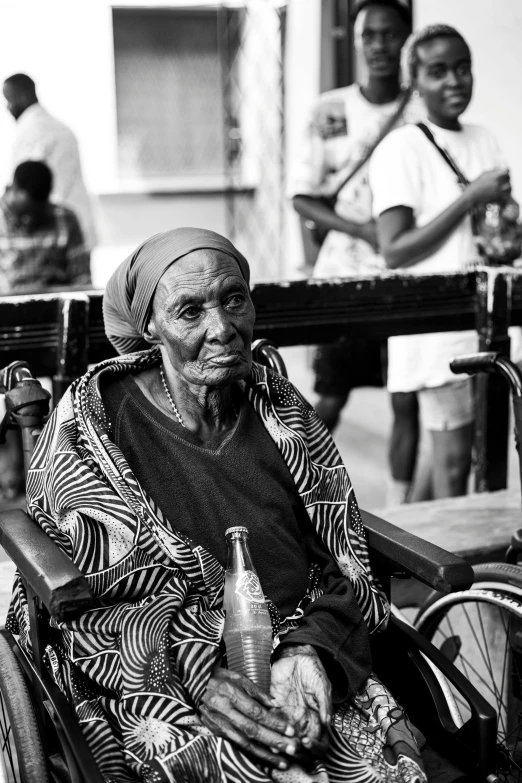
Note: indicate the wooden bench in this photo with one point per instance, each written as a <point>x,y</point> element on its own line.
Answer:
<point>477,527</point>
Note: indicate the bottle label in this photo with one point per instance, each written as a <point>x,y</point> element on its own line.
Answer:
<point>249,587</point>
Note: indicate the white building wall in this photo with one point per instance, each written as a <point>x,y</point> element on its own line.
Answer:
<point>67,47</point>
<point>493,29</point>
<point>302,86</point>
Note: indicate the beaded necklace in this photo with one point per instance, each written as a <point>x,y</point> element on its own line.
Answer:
<point>173,404</point>
<point>169,397</point>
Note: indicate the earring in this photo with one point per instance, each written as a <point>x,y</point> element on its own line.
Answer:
<point>415,93</point>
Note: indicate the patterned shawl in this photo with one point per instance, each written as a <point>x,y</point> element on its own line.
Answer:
<point>136,666</point>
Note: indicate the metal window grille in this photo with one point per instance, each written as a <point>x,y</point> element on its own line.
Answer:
<point>252,44</point>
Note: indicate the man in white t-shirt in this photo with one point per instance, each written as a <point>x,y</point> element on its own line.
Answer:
<point>343,127</point>
<point>40,136</point>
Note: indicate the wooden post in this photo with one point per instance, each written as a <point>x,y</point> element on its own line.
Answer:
<point>493,317</point>
<point>73,342</point>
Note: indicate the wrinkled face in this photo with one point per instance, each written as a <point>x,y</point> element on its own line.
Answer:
<point>203,318</point>
<point>380,34</point>
<point>16,101</point>
<point>444,78</point>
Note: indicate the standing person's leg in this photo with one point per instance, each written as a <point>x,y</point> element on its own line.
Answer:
<point>332,370</point>
<point>329,409</point>
<point>451,461</point>
<point>448,413</point>
<point>404,441</point>
<point>349,363</point>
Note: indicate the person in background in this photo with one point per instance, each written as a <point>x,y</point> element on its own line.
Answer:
<point>41,245</point>
<point>344,127</point>
<point>424,226</point>
<point>40,136</point>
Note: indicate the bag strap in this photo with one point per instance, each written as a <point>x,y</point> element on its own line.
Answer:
<point>463,180</point>
<point>386,128</point>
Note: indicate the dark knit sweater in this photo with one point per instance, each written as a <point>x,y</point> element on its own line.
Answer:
<point>244,481</point>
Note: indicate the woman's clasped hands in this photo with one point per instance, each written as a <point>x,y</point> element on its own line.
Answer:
<point>290,725</point>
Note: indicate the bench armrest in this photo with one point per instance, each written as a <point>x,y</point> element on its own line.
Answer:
<point>397,549</point>
<point>61,587</point>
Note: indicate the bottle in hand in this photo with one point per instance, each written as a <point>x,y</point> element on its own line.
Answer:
<point>248,629</point>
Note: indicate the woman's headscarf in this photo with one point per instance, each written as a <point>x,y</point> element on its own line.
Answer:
<point>127,303</point>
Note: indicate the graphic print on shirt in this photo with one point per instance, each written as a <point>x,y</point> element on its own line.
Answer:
<point>329,120</point>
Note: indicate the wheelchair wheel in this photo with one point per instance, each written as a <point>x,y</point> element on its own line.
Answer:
<point>22,759</point>
<point>480,631</point>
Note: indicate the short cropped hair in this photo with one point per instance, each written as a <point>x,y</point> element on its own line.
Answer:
<point>410,52</point>
<point>35,178</point>
<point>400,7</point>
<point>22,82</point>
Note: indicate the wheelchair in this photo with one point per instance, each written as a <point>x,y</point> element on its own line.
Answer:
<point>41,739</point>
<point>480,629</point>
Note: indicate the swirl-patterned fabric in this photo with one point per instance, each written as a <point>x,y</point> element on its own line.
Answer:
<point>136,666</point>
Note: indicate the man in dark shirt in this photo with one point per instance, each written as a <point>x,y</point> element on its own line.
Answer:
<point>41,246</point>
<point>41,243</point>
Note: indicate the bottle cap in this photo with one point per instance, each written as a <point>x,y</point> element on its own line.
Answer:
<point>237,529</point>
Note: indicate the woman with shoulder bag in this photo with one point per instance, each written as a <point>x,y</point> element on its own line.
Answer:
<point>435,187</point>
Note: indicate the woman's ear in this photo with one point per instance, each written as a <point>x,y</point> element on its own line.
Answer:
<point>151,333</point>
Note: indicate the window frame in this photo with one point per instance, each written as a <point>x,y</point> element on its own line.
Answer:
<point>170,184</point>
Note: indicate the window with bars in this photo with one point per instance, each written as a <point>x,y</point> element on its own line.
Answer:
<point>169,103</point>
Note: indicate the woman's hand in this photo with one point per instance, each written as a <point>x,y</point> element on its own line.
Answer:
<point>301,689</point>
<point>237,710</point>
<point>510,210</point>
<point>492,185</point>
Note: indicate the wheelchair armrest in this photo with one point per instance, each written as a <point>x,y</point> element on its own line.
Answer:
<point>474,742</point>
<point>61,587</point>
<point>396,548</point>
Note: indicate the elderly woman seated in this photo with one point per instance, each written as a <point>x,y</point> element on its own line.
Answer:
<point>145,463</point>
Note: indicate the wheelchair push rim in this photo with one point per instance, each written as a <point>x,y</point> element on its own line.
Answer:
<point>480,631</point>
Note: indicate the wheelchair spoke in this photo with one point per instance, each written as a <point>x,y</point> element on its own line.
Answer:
<point>452,632</point>
<point>5,733</point>
<point>500,703</point>
<point>480,635</point>
<point>465,663</point>
<point>8,758</point>
<point>505,662</point>
<point>514,763</point>
<point>514,731</point>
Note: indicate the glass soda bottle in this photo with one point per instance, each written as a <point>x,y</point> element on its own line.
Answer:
<point>248,629</point>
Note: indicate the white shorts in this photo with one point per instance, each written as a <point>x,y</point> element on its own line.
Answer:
<point>447,407</point>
